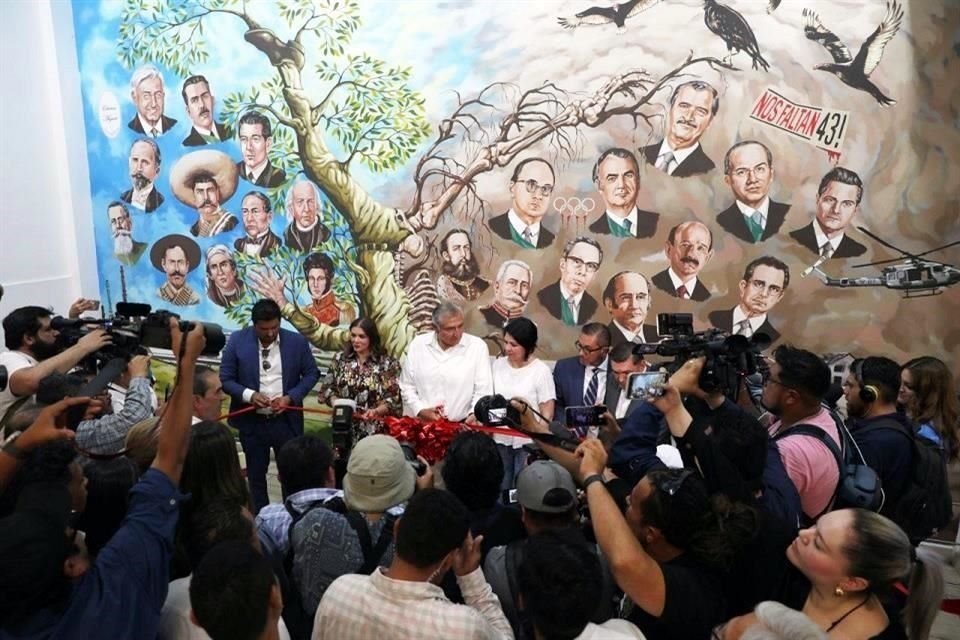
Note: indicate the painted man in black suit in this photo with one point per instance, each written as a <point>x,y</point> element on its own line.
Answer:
<point>617,177</point>
<point>460,279</point>
<point>256,137</point>
<point>838,200</point>
<point>627,299</point>
<point>689,247</point>
<point>748,171</point>
<point>530,185</point>
<point>146,91</point>
<point>305,230</point>
<point>199,101</point>
<point>511,291</point>
<point>567,300</point>
<point>765,280</point>
<point>257,213</point>
<point>692,108</point>
<point>144,165</point>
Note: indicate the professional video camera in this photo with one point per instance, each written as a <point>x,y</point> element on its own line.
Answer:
<point>729,358</point>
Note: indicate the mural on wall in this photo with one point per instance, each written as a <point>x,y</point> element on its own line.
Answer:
<point>568,161</point>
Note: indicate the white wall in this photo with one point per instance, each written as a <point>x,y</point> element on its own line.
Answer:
<point>46,232</point>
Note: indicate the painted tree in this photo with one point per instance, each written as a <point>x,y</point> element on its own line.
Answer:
<point>368,110</point>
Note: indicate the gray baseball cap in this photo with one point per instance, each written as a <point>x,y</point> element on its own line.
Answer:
<point>547,487</point>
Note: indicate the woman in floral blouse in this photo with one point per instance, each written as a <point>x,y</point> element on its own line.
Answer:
<point>362,372</point>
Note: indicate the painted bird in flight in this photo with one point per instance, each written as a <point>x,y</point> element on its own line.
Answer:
<point>855,72</point>
<point>734,29</point>
<point>598,16</point>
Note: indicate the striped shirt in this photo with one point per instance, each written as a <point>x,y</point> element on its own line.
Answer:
<point>376,606</point>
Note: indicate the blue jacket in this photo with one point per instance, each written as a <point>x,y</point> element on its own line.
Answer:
<point>887,445</point>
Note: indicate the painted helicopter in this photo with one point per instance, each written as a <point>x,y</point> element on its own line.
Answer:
<point>914,275</point>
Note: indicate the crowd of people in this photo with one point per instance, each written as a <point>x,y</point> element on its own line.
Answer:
<point>683,514</point>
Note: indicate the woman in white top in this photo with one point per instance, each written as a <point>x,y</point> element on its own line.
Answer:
<point>519,374</point>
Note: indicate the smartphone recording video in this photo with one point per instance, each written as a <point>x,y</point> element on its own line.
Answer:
<point>645,385</point>
<point>581,418</point>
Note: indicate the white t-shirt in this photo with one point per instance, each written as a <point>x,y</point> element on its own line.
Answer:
<point>13,361</point>
<point>532,382</point>
<point>611,630</point>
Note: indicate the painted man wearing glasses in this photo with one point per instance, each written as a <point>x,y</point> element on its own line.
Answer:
<point>567,300</point>
<point>531,184</point>
<point>689,247</point>
<point>748,171</point>
<point>271,369</point>
<point>764,282</point>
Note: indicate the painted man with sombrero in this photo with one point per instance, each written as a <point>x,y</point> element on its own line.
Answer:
<point>176,255</point>
<point>204,180</point>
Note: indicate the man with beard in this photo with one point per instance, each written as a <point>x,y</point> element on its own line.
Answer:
<point>511,290</point>
<point>125,248</point>
<point>459,281</point>
<point>305,230</point>
<point>318,270</point>
<point>764,282</point>
<point>748,171</point>
<point>693,106</point>
<point>627,299</point>
<point>259,242</point>
<point>689,246</point>
<point>255,136</point>
<point>567,300</point>
<point>199,102</point>
<point>223,286</point>
<point>33,354</point>
<point>838,200</point>
<point>146,91</point>
<point>531,184</point>
<point>176,256</point>
<point>617,178</point>
<point>144,169</point>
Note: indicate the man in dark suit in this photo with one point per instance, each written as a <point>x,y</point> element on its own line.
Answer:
<point>567,300</point>
<point>582,380</point>
<point>256,137</point>
<point>617,177</point>
<point>623,362</point>
<point>838,200</point>
<point>764,282</point>
<point>257,213</point>
<point>144,165</point>
<point>305,230</point>
<point>146,91</point>
<point>272,369</point>
<point>689,247</point>
<point>199,101</point>
<point>530,185</point>
<point>692,108</point>
<point>511,292</point>
<point>627,299</point>
<point>748,171</point>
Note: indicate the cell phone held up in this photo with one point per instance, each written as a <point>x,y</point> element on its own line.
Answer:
<point>581,418</point>
<point>646,385</point>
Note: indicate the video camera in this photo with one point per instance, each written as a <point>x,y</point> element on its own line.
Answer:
<point>729,358</point>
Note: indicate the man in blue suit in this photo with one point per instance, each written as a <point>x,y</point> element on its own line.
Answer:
<point>272,369</point>
<point>582,380</point>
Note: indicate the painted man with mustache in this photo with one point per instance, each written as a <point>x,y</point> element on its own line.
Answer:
<point>199,102</point>
<point>144,168</point>
<point>459,281</point>
<point>125,248</point>
<point>176,256</point>
<point>212,218</point>
<point>764,282</point>
<point>692,108</point>
<point>838,200</point>
<point>511,291</point>
<point>689,247</point>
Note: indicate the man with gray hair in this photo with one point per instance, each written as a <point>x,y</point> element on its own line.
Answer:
<point>144,168</point>
<point>305,230</point>
<point>511,291</point>
<point>224,288</point>
<point>693,106</point>
<point>748,171</point>
<point>445,371</point>
<point>146,91</point>
<point>125,248</point>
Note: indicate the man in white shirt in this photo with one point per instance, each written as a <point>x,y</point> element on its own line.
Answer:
<point>256,137</point>
<point>764,282</point>
<point>838,201</point>
<point>567,299</point>
<point>616,175</point>
<point>748,171</point>
<point>531,184</point>
<point>33,352</point>
<point>444,372</point>
<point>405,601</point>
<point>256,212</point>
<point>693,106</point>
<point>627,299</point>
<point>689,247</point>
<point>146,92</point>
<point>144,168</point>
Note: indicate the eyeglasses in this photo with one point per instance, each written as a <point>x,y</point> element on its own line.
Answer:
<point>759,171</point>
<point>769,379</point>
<point>533,186</point>
<point>264,354</point>
<point>590,267</point>
<point>585,349</point>
<point>670,483</point>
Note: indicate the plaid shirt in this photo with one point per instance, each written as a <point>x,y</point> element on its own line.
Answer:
<point>376,606</point>
<point>273,521</point>
<point>106,435</point>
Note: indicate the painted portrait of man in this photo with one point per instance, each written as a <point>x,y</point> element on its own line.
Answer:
<point>693,106</point>
<point>305,230</point>
<point>460,280</point>
<point>531,186</point>
<point>256,137</point>
<point>125,248</point>
<point>147,94</point>
<point>764,282</point>
<point>689,247</point>
<point>567,299</point>
<point>616,175</point>
<point>511,292</point>
<point>199,102</point>
<point>627,299</point>
<point>144,164</point>
<point>204,180</point>
<point>224,287</point>
<point>176,256</point>
<point>838,201</point>
<point>319,271</point>
<point>748,171</point>
<point>257,213</point>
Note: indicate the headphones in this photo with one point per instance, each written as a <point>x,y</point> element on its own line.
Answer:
<point>868,393</point>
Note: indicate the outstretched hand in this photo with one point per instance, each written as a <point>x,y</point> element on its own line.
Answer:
<point>268,285</point>
<point>49,425</point>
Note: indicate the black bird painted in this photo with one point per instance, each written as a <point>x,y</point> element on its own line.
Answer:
<point>855,72</point>
<point>734,29</point>
<point>772,5</point>
<point>598,16</point>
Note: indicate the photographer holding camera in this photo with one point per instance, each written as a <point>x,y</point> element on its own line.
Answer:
<point>33,353</point>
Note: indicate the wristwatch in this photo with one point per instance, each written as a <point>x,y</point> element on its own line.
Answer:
<point>589,480</point>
